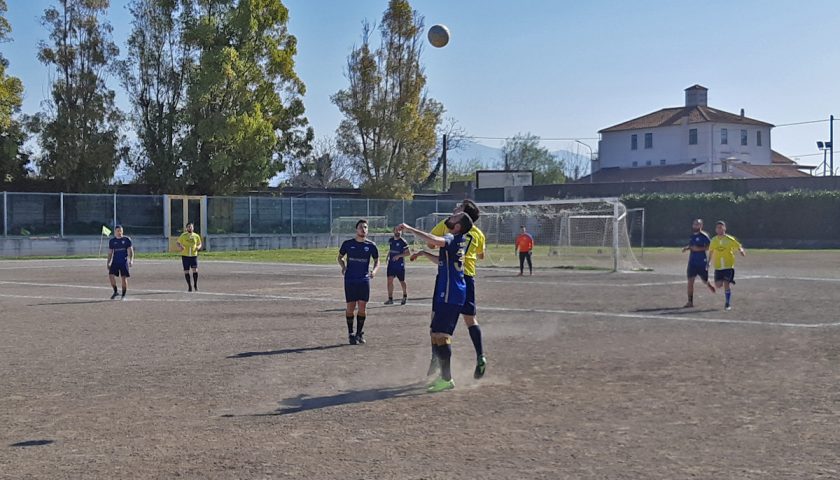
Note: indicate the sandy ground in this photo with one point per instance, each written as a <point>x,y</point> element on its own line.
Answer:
<point>591,375</point>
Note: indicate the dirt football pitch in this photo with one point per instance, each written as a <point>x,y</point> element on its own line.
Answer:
<point>591,375</point>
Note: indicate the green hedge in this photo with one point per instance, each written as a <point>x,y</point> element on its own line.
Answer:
<point>795,215</point>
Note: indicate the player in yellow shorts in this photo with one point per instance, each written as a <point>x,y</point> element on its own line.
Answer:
<point>474,251</point>
<point>189,243</point>
<point>722,257</point>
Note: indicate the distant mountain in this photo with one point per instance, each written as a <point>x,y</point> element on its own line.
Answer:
<point>491,157</point>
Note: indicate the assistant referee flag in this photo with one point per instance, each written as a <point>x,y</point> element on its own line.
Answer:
<point>106,231</point>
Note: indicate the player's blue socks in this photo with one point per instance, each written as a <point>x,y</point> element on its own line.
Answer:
<point>195,280</point>
<point>349,324</point>
<point>475,336</point>
<point>360,324</point>
<point>187,278</point>
<point>444,354</point>
<point>728,296</point>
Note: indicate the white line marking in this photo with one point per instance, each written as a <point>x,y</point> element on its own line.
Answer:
<point>331,300</point>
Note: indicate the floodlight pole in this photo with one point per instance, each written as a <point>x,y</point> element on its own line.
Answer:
<point>831,139</point>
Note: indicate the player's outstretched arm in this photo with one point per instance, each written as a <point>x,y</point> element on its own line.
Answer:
<point>430,239</point>
<point>431,256</point>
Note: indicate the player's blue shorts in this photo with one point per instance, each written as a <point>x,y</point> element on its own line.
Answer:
<point>397,271</point>
<point>727,274</point>
<point>119,270</point>
<point>698,270</point>
<point>189,262</point>
<point>358,291</point>
<point>469,304</point>
<point>445,317</point>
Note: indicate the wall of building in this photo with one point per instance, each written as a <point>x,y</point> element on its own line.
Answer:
<point>672,145</point>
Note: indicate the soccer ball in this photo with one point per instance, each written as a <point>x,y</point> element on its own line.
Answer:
<point>438,36</point>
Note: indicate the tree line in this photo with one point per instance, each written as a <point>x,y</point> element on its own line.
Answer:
<point>216,106</point>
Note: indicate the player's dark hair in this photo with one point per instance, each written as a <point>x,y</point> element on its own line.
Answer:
<point>117,226</point>
<point>470,208</point>
<point>361,221</point>
<point>720,222</point>
<point>466,224</point>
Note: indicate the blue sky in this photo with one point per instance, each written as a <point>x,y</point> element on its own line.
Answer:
<point>561,68</point>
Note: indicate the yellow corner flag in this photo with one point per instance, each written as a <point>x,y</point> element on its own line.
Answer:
<point>106,231</point>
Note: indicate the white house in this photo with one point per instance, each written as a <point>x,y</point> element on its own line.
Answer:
<point>700,138</point>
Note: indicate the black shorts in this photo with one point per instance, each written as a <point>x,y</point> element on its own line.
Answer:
<point>189,262</point>
<point>698,271</point>
<point>727,274</point>
<point>357,291</point>
<point>398,272</point>
<point>469,304</point>
<point>119,270</point>
<point>445,317</point>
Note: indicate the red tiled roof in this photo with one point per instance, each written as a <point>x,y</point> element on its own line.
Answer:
<point>674,116</point>
<point>777,158</point>
<point>769,171</point>
<point>639,174</point>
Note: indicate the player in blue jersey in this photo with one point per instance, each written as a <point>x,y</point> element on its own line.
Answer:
<point>450,290</point>
<point>698,245</point>
<point>397,251</point>
<point>120,257</point>
<point>357,276</point>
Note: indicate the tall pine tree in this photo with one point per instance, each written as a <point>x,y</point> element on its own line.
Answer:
<point>79,133</point>
<point>244,109</point>
<point>389,121</point>
<point>155,75</point>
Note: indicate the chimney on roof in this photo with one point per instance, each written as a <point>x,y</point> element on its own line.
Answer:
<point>742,113</point>
<point>696,95</point>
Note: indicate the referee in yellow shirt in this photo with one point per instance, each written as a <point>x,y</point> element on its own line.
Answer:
<point>474,251</point>
<point>722,256</point>
<point>189,243</point>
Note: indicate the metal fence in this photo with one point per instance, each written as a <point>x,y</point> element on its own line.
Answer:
<point>71,214</point>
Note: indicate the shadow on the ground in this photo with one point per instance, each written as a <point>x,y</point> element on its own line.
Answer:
<point>286,351</point>
<point>32,443</point>
<point>71,302</point>
<point>302,403</point>
<point>674,310</point>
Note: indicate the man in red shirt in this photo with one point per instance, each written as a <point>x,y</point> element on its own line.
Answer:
<point>524,246</point>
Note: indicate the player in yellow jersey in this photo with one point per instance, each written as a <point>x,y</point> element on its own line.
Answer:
<point>474,251</point>
<point>189,243</point>
<point>722,257</point>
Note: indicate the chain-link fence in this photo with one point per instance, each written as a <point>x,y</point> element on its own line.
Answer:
<point>66,214</point>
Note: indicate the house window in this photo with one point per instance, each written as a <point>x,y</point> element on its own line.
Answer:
<point>634,142</point>
<point>648,140</point>
<point>635,164</point>
<point>662,162</point>
<point>758,138</point>
<point>724,136</point>
<point>648,163</point>
<point>692,136</point>
<point>743,137</point>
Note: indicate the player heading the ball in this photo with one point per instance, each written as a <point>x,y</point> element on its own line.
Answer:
<point>450,290</point>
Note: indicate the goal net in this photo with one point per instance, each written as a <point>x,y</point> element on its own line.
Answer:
<point>583,233</point>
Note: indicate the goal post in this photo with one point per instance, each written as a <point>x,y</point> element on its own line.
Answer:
<point>582,233</point>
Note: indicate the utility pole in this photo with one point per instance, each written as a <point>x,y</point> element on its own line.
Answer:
<point>444,187</point>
